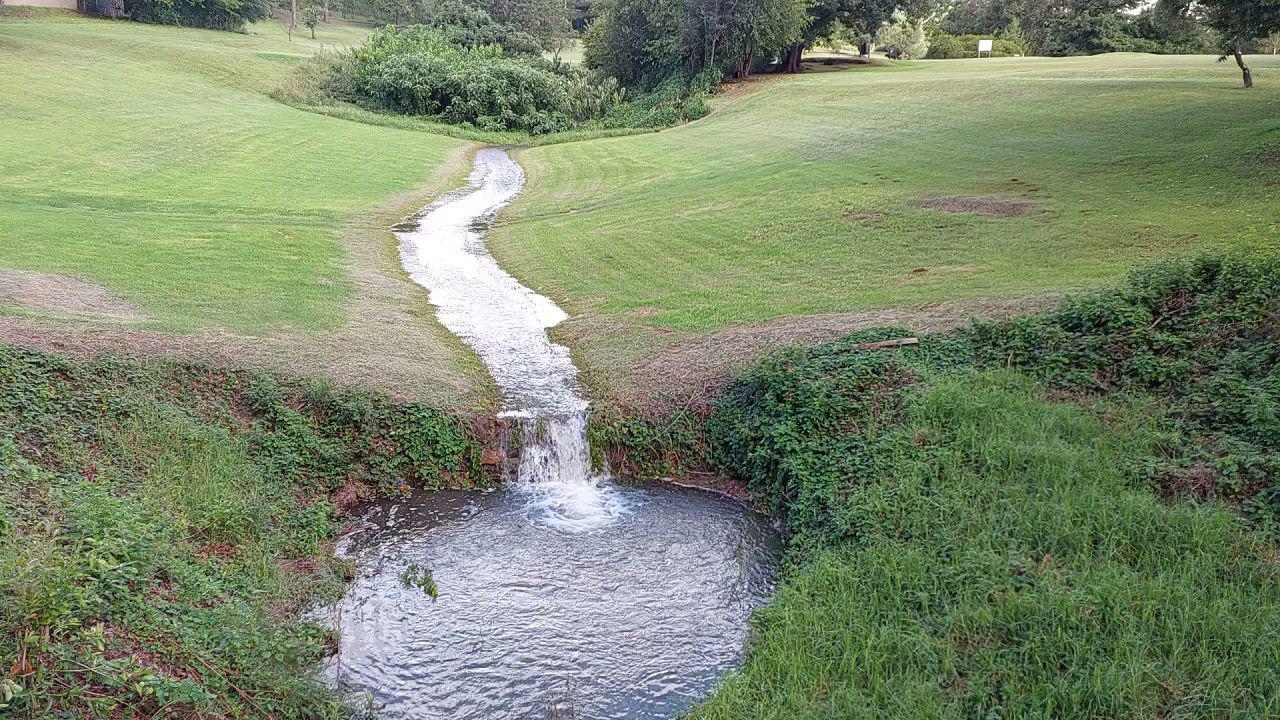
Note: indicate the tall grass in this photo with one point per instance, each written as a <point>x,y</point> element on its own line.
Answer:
<point>1008,565</point>
<point>162,525</point>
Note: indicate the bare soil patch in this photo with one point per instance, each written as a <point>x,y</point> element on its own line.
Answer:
<point>985,205</point>
<point>64,294</point>
<point>651,368</point>
<point>872,215</point>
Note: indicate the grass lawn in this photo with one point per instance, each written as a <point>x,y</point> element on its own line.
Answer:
<point>1017,573</point>
<point>1068,515</point>
<point>150,161</point>
<point>805,195</point>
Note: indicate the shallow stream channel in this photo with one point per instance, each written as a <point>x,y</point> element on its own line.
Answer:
<point>564,594</point>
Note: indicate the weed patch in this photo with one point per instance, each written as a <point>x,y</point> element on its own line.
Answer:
<point>965,544</point>
<point>162,525</point>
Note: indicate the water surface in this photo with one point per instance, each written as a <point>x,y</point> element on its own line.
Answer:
<point>636,620</point>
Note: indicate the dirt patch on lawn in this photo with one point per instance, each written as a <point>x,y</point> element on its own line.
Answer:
<point>64,294</point>
<point>985,205</point>
<point>643,366</point>
<point>390,341</point>
<point>872,215</point>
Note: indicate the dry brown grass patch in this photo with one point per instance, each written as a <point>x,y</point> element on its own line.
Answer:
<point>65,295</point>
<point>985,205</point>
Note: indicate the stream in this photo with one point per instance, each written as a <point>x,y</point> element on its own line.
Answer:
<point>563,594</point>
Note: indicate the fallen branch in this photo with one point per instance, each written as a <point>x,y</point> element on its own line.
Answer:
<point>900,342</point>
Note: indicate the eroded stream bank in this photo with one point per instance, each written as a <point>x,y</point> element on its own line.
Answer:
<point>563,589</point>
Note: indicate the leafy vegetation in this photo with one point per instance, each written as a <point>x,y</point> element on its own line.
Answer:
<point>420,577</point>
<point>162,525</point>
<point>645,43</point>
<point>418,70</point>
<point>1096,26</point>
<point>490,77</point>
<point>214,14</point>
<point>1003,563</point>
<point>960,540</point>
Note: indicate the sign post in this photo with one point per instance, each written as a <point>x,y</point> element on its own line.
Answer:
<point>984,46</point>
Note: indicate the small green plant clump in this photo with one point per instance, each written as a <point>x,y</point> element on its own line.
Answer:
<point>420,576</point>
<point>162,526</point>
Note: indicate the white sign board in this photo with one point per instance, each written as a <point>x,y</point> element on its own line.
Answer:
<point>984,46</point>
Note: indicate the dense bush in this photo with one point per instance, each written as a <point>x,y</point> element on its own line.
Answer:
<point>428,72</point>
<point>465,24</point>
<point>419,70</point>
<point>949,47</point>
<point>967,549</point>
<point>215,14</point>
<point>1196,341</point>
<point>903,38</point>
<point>677,99</point>
<point>644,43</point>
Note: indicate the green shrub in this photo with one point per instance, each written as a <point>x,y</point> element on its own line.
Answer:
<point>949,47</point>
<point>214,14</point>
<point>444,76</point>
<point>420,70</point>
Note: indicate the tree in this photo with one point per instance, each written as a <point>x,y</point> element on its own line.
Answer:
<point>1238,23</point>
<point>546,20</point>
<point>1271,43</point>
<point>644,42</point>
<point>903,37</point>
<point>312,16</point>
<point>859,17</point>
<point>1015,37</point>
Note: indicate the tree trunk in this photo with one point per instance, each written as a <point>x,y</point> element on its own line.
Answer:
<point>326,10</point>
<point>745,61</point>
<point>792,62</point>
<point>293,18</point>
<point>313,32</point>
<point>1248,75</point>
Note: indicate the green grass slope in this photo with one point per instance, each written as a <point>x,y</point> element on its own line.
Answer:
<point>805,195</point>
<point>1012,570</point>
<point>1067,515</point>
<point>150,160</point>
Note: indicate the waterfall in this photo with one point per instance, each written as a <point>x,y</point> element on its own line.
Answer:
<point>506,324</point>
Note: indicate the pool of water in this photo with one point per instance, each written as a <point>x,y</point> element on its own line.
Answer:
<point>638,619</point>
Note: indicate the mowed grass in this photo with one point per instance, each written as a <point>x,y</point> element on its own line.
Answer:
<point>803,195</point>
<point>150,160</point>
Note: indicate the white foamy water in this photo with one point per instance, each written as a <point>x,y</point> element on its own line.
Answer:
<point>506,324</point>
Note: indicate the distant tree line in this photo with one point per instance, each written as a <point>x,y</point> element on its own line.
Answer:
<point>643,41</point>
<point>1080,27</point>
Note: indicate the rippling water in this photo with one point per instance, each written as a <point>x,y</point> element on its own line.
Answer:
<point>637,620</point>
<point>564,594</point>
<point>506,324</point>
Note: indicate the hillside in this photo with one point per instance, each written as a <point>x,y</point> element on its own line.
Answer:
<point>844,194</point>
<point>154,198</point>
